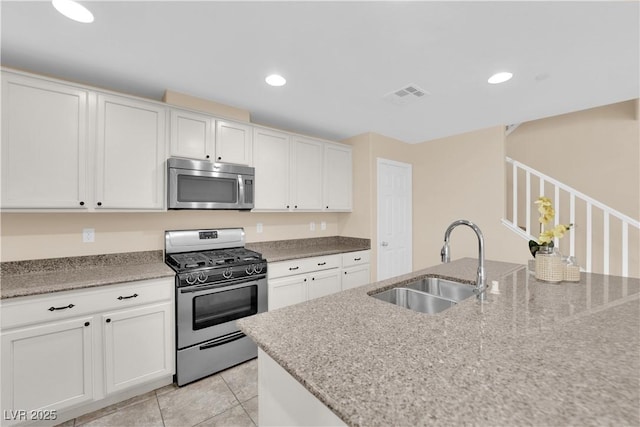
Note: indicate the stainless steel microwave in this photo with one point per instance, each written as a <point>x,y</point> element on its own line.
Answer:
<point>198,184</point>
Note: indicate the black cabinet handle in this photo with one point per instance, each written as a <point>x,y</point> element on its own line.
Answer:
<point>322,263</point>
<point>130,296</point>
<point>313,278</point>
<point>293,268</point>
<point>219,158</point>
<point>207,156</point>
<point>327,207</point>
<point>287,206</point>
<point>296,207</point>
<point>345,272</point>
<point>81,203</point>
<point>108,320</point>
<point>357,259</point>
<point>99,203</point>
<point>61,308</point>
<point>86,323</point>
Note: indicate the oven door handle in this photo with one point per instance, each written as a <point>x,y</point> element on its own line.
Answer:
<point>226,286</point>
<point>223,340</point>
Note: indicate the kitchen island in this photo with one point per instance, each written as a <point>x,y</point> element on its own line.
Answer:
<point>533,354</point>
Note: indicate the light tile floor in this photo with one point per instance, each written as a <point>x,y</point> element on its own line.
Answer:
<point>228,398</point>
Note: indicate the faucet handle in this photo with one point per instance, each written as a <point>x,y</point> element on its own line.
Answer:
<point>444,253</point>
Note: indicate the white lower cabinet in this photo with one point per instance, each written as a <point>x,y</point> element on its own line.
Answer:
<point>356,269</point>
<point>48,367</point>
<point>136,346</point>
<point>324,283</point>
<point>303,279</point>
<point>73,349</point>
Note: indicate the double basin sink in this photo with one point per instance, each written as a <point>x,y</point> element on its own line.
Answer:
<point>427,295</point>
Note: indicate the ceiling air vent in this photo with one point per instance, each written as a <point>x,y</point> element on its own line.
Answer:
<point>406,95</point>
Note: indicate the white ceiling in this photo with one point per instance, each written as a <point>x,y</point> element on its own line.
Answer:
<point>341,58</point>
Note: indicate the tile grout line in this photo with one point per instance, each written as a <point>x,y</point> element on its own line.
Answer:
<point>160,409</point>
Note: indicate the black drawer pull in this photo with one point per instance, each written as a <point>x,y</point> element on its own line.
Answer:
<point>357,259</point>
<point>293,268</point>
<point>322,263</point>
<point>130,296</point>
<point>87,323</point>
<point>61,308</point>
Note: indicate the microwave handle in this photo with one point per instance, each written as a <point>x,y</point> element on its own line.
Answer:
<point>241,190</point>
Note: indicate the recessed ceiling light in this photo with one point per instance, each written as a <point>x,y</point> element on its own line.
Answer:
<point>275,80</point>
<point>500,77</point>
<point>73,10</point>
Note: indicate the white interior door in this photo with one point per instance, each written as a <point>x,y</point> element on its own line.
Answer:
<point>394,219</point>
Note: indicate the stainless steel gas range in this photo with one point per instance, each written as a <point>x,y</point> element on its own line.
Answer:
<point>217,282</point>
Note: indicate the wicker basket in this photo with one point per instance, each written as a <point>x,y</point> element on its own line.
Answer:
<point>549,267</point>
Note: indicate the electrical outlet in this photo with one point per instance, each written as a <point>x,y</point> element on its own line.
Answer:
<point>88,235</point>
<point>259,227</point>
<point>323,225</point>
<point>312,226</point>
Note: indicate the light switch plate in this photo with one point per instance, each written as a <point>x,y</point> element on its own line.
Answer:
<point>323,225</point>
<point>259,227</point>
<point>312,226</point>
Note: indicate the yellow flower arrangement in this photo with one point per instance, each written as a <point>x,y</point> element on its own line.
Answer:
<point>547,214</point>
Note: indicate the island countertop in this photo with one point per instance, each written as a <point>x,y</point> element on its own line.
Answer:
<point>534,353</point>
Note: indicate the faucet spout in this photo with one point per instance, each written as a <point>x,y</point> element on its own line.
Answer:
<point>446,256</point>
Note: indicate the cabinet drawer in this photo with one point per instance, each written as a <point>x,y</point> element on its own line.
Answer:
<point>303,265</point>
<point>62,305</point>
<point>355,258</point>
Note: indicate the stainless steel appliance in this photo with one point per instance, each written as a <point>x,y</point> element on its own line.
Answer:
<point>198,184</point>
<point>217,282</point>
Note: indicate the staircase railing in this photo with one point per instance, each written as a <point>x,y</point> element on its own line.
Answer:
<point>522,198</point>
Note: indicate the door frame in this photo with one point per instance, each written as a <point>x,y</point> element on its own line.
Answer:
<point>407,166</point>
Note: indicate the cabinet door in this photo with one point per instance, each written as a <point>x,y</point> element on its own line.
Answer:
<point>306,174</point>
<point>338,171</point>
<point>138,345</point>
<point>234,143</point>
<point>271,161</point>
<point>287,291</point>
<point>324,283</point>
<point>130,154</point>
<point>191,135</point>
<point>44,143</point>
<point>47,366</point>
<point>353,277</point>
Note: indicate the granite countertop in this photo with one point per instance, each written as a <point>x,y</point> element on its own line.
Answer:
<point>282,250</point>
<point>534,353</point>
<point>25,278</point>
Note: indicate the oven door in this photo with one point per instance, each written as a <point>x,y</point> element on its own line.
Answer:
<point>208,311</point>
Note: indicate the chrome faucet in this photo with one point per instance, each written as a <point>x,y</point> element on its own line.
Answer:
<point>445,256</point>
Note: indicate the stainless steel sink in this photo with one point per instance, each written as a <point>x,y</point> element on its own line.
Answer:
<point>442,288</point>
<point>415,300</point>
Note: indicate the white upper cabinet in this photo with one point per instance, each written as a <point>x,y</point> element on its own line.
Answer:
<point>44,144</point>
<point>306,168</point>
<point>272,164</point>
<point>192,135</point>
<point>234,143</point>
<point>130,154</point>
<point>338,181</point>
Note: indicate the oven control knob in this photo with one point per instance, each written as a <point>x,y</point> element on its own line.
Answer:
<point>227,273</point>
<point>191,279</point>
<point>258,268</point>
<point>250,269</point>
<point>202,277</point>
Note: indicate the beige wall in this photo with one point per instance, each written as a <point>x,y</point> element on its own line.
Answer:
<point>453,178</point>
<point>462,177</point>
<point>40,235</point>
<point>596,151</point>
